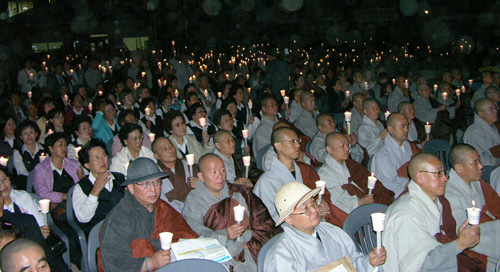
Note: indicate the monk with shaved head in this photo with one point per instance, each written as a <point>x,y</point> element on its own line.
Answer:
<point>209,211</point>
<point>420,232</point>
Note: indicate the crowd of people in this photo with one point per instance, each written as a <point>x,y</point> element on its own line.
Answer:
<point>153,144</point>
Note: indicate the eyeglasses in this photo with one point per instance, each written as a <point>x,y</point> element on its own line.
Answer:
<point>136,139</point>
<point>231,140</point>
<point>307,210</point>
<point>442,173</point>
<point>146,185</point>
<point>295,141</point>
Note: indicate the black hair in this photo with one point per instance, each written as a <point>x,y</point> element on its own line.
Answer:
<point>169,118</point>
<point>126,130</point>
<point>26,124</point>
<point>83,154</point>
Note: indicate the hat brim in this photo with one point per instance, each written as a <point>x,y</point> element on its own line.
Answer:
<point>148,177</point>
<point>289,210</point>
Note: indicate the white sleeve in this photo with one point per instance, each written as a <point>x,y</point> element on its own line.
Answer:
<point>19,164</point>
<point>84,206</point>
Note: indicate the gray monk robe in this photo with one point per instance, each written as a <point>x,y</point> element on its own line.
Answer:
<point>298,251</point>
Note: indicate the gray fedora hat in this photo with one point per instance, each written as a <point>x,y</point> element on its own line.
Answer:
<point>141,170</point>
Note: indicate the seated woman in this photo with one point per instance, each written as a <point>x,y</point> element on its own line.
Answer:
<point>194,113</point>
<point>43,109</point>
<point>55,175</point>
<point>224,121</point>
<point>8,140</point>
<point>20,201</point>
<point>105,125</point>
<point>244,113</point>
<point>151,120</point>
<point>28,155</point>
<point>127,99</point>
<point>185,144</point>
<point>77,109</point>
<point>127,117</point>
<point>56,124</point>
<point>82,128</point>
<point>131,138</point>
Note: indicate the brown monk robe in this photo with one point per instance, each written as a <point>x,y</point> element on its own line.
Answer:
<point>359,175</point>
<point>309,178</point>
<point>178,180</point>
<point>403,170</point>
<point>468,260</point>
<point>221,215</point>
<point>239,168</point>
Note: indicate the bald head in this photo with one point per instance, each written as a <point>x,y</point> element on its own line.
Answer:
<point>396,119</point>
<point>219,135</point>
<point>403,105</point>
<point>280,124</point>
<point>206,159</point>
<point>279,134</point>
<point>333,138</point>
<point>20,254</point>
<point>482,104</point>
<point>420,162</point>
<point>305,95</point>
<point>459,154</point>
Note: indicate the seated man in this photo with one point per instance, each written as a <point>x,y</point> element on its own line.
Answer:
<point>179,183</point>
<point>390,163</point>
<point>96,194</point>
<point>269,117</point>
<point>400,94</point>
<point>372,133</point>
<point>233,163</point>
<point>464,186</point>
<point>416,130</point>
<point>483,134</point>
<point>346,179</point>
<point>305,121</point>
<point>209,212</point>
<point>326,124</point>
<point>23,255</point>
<point>415,237</point>
<point>308,244</point>
<point>284,169</point>
<point>357,112</point>
<point>130,234</point>
<point>295,108</point>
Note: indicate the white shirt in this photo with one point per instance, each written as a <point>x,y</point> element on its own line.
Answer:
<point>85,206</point>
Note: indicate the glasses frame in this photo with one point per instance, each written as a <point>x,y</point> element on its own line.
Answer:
<point>442,173</point>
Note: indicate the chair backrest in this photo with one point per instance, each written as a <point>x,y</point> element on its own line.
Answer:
<point>29,183</point>
<point>439,148</point>
<point>73,222</point>
<point>263,252</point>
<point>260,155</point>
<point>359,223</point>
<point>10,164</point>
<point>487,173</point>
<point>308,147</point>
<point>109,146</point>
<point>93,246</point>
<point>193,265</point>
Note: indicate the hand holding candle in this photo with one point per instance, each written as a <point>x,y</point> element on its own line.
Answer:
<point>239,214</point>
<point>245,135</point>
<point>77,149</point>
<point>474,214</point>
<point>445,96</point>
<point>348,116</point>
<point>176,93</point>
<point>283,93</point>
<point>147,110</point>
<point>42,157</point>
<point>44,208</point>
<point>347,94</point>
<point>378,221</point>
<point>203,122</point>
<point>166,240</point>
<point>386,114</point>
<point>287,99</point>
<point>190,162</point>
<point>151,137</point>
<point>246,162</point>
<point>250,104</point>
<point>372,180</point>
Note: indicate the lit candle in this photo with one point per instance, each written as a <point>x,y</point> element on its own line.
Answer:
<point>394,81</point>
<point>245,135</point>
<point>77,149</point>
<point>31,75</point>
<point>151,137</point>
<point>176,93</point>
<point>427,130</point>
<point>470,82</point>
<point>458,91</point>
<point>435,87</point>
<point>386,114</point>
<point>90,106</point>
<point>4,161</point>
<point>219,94</point>
<point>283,93</point>
<point>250,104</point>
<point>366,86</point>
<point>71,71</point>
<point>371,183</point>
<point>159,83</point>
<point>203,122</point>
<point>30,94</point>
<point>463,89</point>
<point>406,84</point>
<point>348,116</point>
<point>100,93</point>
<point>42,157</point>
<point>50,131</point>
<point>147,110</point>
<point>287,99</point>
<point>206,93</point>
<point>143,74</point>
<point>347,94</point>
<point>66,98</point>
<point>246,162</point>
<point>445,96</point>
<point>239,213</point>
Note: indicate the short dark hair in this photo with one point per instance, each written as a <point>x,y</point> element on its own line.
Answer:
<point>191,110</point>
<point>6,262</point>
<point>78,120</point>
<point>227,101</point>
<point>218,116</point>
<point>3,122</point>
<point>126,130</point>
<point>145,102</point>
<point>124,93</point>
<point>42,104</point>
<point>234,89</point>
<point>28,124</point>
<point>53,138</point>
<point>83,154</point>
<point>169,118</point>
<point>123,114</point>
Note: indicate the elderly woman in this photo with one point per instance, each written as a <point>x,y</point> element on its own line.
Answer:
<point>185,144</point>
<point>105,125</point>
<point>371,132</point>
<point>28,155</point>
<point>131,138</point>
<point>224,121</point>
<point>20,201</point>
<point>55,175</point>
<point>8,140</point>
<point>82,128</point>
<point>195,112</point>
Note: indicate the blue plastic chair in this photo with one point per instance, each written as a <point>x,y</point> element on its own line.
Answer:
<point>29,183</point>
<point>439,148</point>
<point>308,147</point>
<point>487,174</point>
<point>57,231</point>
<point>193,265</point>
<point>359,222</point>
<point>92,247</point>
<point>260,155</point>
<point>263,252</point>
<point>73,222</point>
